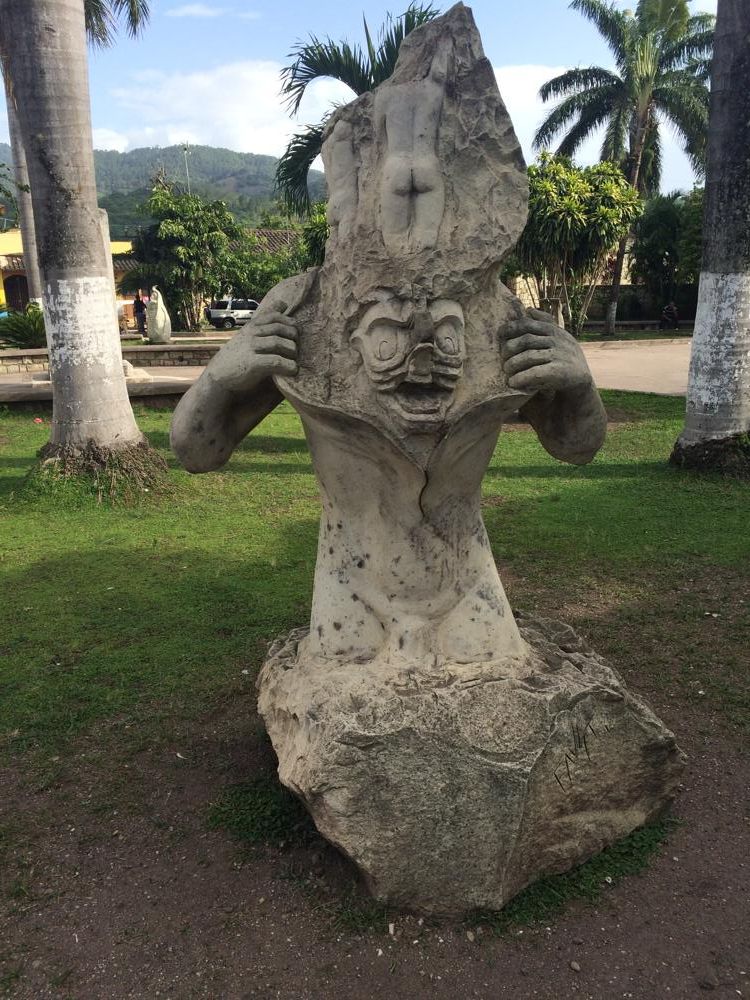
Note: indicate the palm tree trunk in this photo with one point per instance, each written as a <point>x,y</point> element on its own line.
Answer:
<point>610,316</point>
<point>717,422</point>
<point>47,62</point>
<point>23,200</point>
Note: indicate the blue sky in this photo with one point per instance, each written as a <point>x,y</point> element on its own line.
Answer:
<point>208,72</point>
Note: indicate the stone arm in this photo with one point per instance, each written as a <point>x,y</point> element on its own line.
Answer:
<point>234,393</point>
<point>565,410</point>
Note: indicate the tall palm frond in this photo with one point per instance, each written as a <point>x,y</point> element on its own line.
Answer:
<point>662,54</point>
<point>574,80</point>
<point>649,176</point>
<point>392,34</point>
<point>316,59</point>
<point>589,120</point>
<point>614,146</point>
<point>667,17</point>
<point>686,108</point>
<point>573,106</point>
<point>612,24</point>
<point>294,166</point>
<point>104,16</point>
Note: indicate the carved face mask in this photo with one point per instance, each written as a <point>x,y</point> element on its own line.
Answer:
<point>413,353</point>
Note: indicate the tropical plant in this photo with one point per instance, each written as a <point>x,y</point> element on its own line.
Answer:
<point>359,70</point>
<point>667,244</point>
<point>690,240</point>
<point>654,257</point>
<point>716,435</point>
<point>195,250</point>
<point>662,56</point>
<point>185,251</point>
<point>576,217</point>
<point>314,235</point>
<point>92,421</point>
<point>252,270</point>
<point>24,329</point>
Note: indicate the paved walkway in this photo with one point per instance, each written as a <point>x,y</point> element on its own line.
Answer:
<point>659,366</point>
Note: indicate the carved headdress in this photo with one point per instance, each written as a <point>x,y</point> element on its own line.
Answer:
<point>427,184</point>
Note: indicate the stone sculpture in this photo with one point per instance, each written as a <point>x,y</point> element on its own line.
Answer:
<point>159,326</point>
<point>453,751</point>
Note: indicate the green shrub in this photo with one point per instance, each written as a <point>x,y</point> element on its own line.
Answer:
<point>23,329</point>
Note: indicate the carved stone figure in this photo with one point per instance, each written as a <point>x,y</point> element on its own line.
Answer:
<point>159,326</point>
<point>454,751</point>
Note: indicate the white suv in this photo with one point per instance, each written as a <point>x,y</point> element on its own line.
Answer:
<point>227,313</point>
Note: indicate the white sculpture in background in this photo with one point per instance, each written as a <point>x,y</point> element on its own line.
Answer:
<point>159,324</point>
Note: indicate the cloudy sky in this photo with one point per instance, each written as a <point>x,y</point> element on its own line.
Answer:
<point>208,72</point>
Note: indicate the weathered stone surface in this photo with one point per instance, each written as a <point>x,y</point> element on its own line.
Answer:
<point>453,788</point>
<point>452,755</point>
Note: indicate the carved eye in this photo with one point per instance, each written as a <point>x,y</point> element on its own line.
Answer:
<point>447,337</point>
<point>384,339</point>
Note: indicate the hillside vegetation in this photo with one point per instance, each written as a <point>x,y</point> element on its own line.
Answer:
<point>244,180</point>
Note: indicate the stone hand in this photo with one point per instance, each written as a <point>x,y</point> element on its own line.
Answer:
<point>265,347</point>
<point>539,356</point>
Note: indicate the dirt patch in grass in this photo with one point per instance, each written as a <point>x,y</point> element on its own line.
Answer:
<point>120,879</point>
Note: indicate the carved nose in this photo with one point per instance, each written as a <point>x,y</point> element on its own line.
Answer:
<point>420,362</point>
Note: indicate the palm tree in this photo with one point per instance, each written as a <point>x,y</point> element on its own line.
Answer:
<point>102,20</point>
<point>662,56</point>
<point>46,62</point>
<point>361,71</point>
<point>717,424</point>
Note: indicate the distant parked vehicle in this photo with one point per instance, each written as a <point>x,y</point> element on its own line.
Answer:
<point>227,313</point>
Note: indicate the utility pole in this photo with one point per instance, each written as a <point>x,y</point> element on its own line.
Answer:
<point>187,171</point>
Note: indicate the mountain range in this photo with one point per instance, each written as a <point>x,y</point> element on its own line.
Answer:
<point>245,181</point>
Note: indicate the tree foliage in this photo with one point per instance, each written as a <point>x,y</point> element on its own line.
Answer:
<point>195,251</point>
<point>314,235</point>
<point>667,245</point>
<point>576,218</point>
<point>360,69</point>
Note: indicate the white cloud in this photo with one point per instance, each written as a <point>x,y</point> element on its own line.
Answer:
<point>519,88</point>
<point>195,10</point>
<point>108,138</point>
<point>237,105</point>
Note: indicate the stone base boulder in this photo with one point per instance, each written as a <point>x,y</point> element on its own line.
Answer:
<point>453,787</point>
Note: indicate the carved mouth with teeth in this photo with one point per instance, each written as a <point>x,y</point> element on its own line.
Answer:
<point>417,399</point>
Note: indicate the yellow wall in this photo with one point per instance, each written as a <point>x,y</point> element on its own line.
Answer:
<point>10,243</point>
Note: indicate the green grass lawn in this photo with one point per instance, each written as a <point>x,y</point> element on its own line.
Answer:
<point>137,616</point>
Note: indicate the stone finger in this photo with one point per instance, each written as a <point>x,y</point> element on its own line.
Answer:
<point>531,379</point>
<point>528,359</point>
<point>283,346</point>
<point>541,315</point>
<point>275,330</point>
<point>526,342</point>
<point>270,317</point>
<point>520,327</point>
